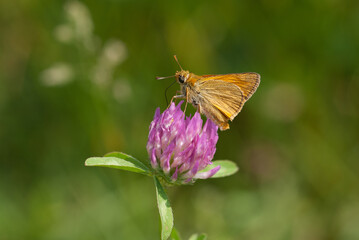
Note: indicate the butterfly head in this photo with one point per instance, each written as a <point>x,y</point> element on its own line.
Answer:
<point>182,76</point>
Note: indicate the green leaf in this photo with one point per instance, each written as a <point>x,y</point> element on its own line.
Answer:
<point>227,168</point>
<point>198,237</point>
<point>127,157</point>
<point>120,161</point>
<point>165,211</point>
<point>175,234</point>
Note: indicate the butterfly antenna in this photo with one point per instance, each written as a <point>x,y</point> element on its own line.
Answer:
<point>166,91</point>
<point>160,78</point>
<point>178,62</point>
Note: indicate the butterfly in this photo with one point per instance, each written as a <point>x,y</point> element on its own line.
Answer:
<point>219,97</point>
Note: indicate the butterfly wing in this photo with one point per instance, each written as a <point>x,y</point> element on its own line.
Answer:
<point>217,95</point>
<point>247,82</point>
<point>221,97</point>
<point>214,114</point>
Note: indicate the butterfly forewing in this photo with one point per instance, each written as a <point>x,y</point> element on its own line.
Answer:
<point>247,82</point>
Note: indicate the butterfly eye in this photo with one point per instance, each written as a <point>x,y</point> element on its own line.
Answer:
<point>181,78</point>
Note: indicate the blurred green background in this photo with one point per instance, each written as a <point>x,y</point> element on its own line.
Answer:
<point>77,79</point>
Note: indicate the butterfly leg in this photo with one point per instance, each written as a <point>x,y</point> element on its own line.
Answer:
<point>185,107</point>
<point>177,96</point>
<point>174,97</point>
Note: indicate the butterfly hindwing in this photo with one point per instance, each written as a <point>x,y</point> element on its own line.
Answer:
<point>226,97</point>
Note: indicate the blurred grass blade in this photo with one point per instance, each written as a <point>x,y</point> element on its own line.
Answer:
<point>227,168</point>
<point>165,211</point>
<point>175,234</point>
<point>119,161</point>
<point>198,237</point>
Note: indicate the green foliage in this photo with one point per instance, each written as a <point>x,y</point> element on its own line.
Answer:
<point>227,168</point>
<point>165,210</point>
<point>175,234</point>
<point>126,162</point>
<point>119,161</point>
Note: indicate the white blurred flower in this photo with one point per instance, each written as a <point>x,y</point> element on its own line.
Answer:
<point>56,75</point>
<point>115,51</point>
<point>113,54</point>
<point>80,18</point>
<point>78,29</point>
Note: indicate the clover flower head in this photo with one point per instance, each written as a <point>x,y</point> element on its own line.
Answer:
<point>179,147</point>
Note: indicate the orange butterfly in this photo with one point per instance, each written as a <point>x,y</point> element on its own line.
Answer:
<point>219,97</point>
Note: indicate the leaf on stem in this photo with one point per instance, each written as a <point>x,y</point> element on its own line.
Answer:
<point>119,161</point>
<point>227,168</point>
<point>165,210</point>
